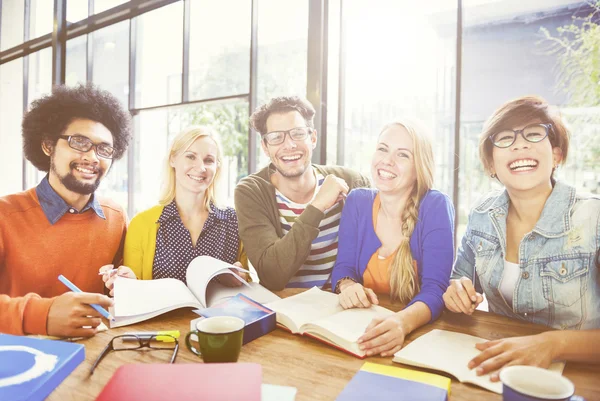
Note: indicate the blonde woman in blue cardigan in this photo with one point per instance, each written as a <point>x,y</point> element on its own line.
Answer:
<point>163,240</point>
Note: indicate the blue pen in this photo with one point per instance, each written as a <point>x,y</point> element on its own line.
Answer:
<point>74,288</point>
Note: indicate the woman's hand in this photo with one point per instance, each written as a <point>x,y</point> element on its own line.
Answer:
<point>354,295</point>
<point>536,350</point>
<point>383,336</point>
<point>462,297</point>
<point>229,281</point>
<point>109,276</point>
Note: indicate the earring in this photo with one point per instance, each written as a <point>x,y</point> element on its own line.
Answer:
<point>493,175</point>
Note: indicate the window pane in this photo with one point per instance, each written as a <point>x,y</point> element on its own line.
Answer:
<point>219,48</point>
<point>40,74</point>
<point>76,69</point>
<point>391,74</point>
<point>111,60</point>
<point>159,56</point>
<point>157,128</point>
<point>103,5</point>
<point>111,72</point>
<point>506,55</point>
<point>41,18</point>
<point>282,52</point>
<point>77,10</point>
<point>282,48</point>
<point>11,112</point>
<point>12,24</point>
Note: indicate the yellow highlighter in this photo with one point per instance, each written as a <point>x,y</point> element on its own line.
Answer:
<point>164,336</point>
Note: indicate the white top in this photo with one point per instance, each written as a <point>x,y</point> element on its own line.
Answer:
<point>509,281</point>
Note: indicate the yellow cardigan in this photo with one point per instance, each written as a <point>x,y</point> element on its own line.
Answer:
<point>140,243</point>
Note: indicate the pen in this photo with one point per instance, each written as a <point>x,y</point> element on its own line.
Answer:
<point>164,336</point>
<point>74,288</point>
<point>111,271</point>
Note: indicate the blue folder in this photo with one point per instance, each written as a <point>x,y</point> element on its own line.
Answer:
<point>31,368</point>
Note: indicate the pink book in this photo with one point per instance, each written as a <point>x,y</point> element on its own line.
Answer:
<point>182,382</point>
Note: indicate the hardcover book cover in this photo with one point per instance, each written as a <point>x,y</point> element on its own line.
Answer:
<point>31,368</point>
<point>259,319</point>
<point>388,383</point>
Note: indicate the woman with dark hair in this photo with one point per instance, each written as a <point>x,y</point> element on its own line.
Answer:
<point>532,248</point>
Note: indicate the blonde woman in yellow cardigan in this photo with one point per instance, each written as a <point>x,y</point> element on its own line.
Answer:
<point>163,240</point>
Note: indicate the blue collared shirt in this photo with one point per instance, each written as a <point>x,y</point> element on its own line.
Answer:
<point>55,207</point>
<point>557,284</point>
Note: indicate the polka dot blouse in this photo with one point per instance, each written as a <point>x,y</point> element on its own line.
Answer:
<point>174,250</point>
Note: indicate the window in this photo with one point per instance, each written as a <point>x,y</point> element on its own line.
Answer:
<point>219,48</point>
<point>505,56</point>
<point>77,10</point>
<point>156,128</point>
<point>282,52</point>
<point>12,24</point>
<point>76,69</point>
<point>111,60</point>
<point>398,62</point>
<point>159,56</point>
<point>11,105</point>
<point>41,18</point>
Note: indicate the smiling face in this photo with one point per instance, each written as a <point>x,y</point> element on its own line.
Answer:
<point>525,165</point>
<point>196,167</point>
<point>291,158</point>
<point>393,165</point>
<point>79,172</point>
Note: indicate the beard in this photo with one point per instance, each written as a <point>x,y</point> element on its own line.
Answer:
<point>72,183</point>
<point>290,173</point>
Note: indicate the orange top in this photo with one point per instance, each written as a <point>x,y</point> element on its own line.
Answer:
<point>376,275</point>
<point>33,253</point>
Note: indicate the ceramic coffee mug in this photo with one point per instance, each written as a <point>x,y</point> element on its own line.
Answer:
<point>219,338</point>
<point>530,383</point>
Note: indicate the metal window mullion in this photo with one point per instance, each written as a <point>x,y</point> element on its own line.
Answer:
<point>131,105</point>
<point>341,123</point>
<point>59,42</point>
<point>457,108</point>
<point>185,65</point>
<point>89,54</point>
<point>26,23</point>
<point>253,94</point>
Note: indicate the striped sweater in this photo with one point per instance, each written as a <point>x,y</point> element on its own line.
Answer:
<point>317,267</point>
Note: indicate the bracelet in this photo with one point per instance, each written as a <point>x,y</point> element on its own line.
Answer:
<point>337,285</point>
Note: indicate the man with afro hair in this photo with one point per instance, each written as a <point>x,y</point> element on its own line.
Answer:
<point>61,226</point>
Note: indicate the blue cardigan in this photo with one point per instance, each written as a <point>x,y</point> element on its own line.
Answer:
<point>431,244</point>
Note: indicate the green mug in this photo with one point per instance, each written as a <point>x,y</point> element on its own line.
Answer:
<point>219,338</point>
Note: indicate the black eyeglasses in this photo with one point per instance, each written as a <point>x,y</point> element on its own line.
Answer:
<point>532,133</point>
<point>277,137</point>
<point>83,144</point>
<point>134,342</point>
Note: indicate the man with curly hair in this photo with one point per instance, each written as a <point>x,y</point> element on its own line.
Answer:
<point>61,226</point>
<point>289,212</point>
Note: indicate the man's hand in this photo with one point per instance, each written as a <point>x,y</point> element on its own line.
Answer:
<point>356,296</point>
<point>70,312</point>
<point>229,281</point>
<point>109,277</point>
<point>536,350</point>
<point>332,191</point>
<point>462,297</point>
<point>383,336</point>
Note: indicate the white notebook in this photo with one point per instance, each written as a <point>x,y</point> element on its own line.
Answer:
<point>451,352</point>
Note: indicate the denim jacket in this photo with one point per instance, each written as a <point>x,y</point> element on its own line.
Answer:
<point>559,284</point>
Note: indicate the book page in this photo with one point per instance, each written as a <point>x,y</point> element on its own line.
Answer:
<point>217,293</point>
<point>139,297</point>
<point>202,269</point>
<point>348,324</point>
<point>304,307</point>
<point>450,352</point>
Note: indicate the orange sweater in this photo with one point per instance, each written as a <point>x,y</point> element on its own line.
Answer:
<point>33,253</point>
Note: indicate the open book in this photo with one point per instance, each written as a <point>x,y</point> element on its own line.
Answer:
<point>139,300</point>
<point>451,352</point>
<point>318,314</point>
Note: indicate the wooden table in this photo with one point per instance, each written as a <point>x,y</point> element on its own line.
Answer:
<point>318,371</point>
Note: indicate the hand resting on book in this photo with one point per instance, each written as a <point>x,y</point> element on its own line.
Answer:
<point>354,295</point>
<point>109,275</point>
